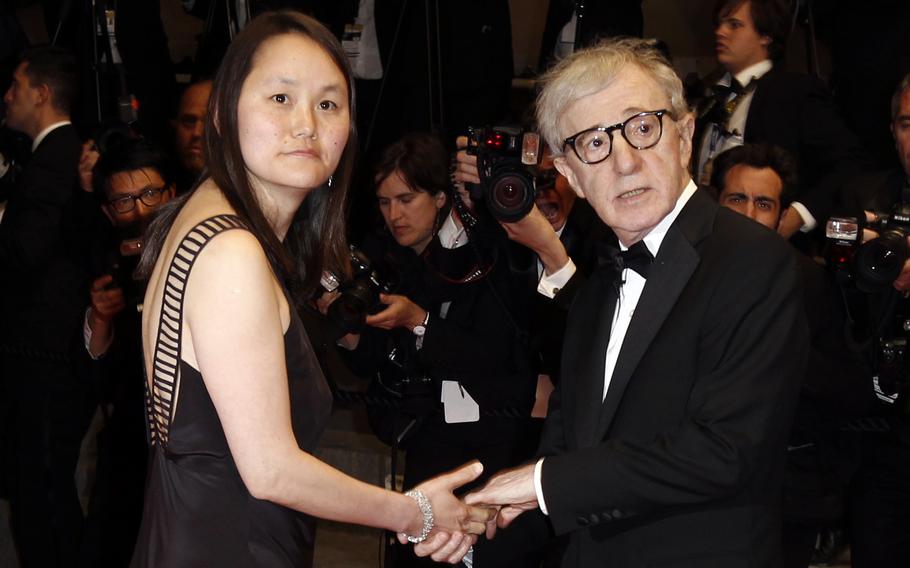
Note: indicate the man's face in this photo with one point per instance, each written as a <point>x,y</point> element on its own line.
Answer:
<point>190,126</point>
<point>632,190</point>
<point>144,191</point>
<point>754,193</point>
<point>555,200</point>
<point>738,44</point>
<point>22,101</point>
<point>900,128</point>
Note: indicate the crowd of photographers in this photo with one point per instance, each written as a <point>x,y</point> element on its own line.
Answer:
<point>453,320</point>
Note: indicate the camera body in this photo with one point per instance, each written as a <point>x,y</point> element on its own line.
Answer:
<point>504,156</point>
<point>359,295</point>
<point>872,266</point>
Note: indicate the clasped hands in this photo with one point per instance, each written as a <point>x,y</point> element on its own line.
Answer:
<point>459,522</point>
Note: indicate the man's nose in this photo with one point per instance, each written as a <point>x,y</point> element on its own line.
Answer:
<point>626,159</point>
<point>198,128</point>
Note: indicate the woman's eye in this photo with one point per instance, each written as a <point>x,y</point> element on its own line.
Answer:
<point>280,98</point>
<point>327,105</point>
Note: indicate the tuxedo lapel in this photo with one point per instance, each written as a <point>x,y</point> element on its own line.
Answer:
<point>670,272</point>
<point>599,308</point>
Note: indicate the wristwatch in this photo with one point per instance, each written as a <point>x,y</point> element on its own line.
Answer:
<point>421,328</point>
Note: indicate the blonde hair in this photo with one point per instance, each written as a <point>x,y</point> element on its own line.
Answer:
<point>591,70</point>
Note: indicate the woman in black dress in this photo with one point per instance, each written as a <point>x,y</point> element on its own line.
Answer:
<point>236,400</point>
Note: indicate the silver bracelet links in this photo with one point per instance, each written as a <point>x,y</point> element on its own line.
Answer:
<point>424,505</point>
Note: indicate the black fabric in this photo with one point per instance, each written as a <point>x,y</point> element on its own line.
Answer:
<point>197,510</point>
<point>637,258</point>
<point>43,292</point>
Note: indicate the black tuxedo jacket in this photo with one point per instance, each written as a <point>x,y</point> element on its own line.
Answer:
<point>681,464</point>
<point>44,289</point>
<point>796,112</point>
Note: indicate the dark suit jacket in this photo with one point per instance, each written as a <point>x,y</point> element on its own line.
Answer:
<point>681,464</point>
<point>43,291</point>
<point>796,112</point>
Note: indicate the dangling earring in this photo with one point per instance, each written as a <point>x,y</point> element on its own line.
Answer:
<point>331,179</point>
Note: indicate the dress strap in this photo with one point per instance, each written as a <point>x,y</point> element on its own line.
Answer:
<point>161,398</point>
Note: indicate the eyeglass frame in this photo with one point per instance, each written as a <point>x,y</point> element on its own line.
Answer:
<point>132,197</point>
<point>621,126</point>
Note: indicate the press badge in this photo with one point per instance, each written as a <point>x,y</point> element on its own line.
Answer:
<point>458,404</point>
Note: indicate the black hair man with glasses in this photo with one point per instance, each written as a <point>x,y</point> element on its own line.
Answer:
<point>132,180</point>
<point>664,442</point>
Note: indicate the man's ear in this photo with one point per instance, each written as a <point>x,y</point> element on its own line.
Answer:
<point>686,128</point>
<point>562,166</point>
<point>43,94</point>
<point>441,199</point>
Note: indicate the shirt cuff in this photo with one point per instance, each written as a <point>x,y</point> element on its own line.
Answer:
<point>809,221</point>
<point>538,488</point>
<point>551,284</point>
<point>87,337</point>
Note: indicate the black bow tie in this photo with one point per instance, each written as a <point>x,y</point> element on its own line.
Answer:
<point>637,258</point>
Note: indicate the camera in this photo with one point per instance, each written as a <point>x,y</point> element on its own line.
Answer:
<point>504,155</point>
<point>359,295</point>
<point>873,265</point>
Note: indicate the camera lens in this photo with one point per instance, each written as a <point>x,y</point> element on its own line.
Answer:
<point>880,261</point>
<point>511,196</point>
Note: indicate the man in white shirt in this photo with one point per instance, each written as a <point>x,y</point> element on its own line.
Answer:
<point>755,101</point>
<point>665,438</point>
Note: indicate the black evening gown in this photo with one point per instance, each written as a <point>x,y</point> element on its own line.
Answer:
<point>197,510</point>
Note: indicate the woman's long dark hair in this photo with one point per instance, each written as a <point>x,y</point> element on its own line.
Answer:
<point>316,238</point>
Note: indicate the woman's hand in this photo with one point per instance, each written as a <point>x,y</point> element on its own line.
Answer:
<point>456,524</point>
<point>401,312</point>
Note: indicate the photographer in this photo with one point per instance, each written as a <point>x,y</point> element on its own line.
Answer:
<point>453,330</point>
<point>131,180</point>
<point>880,500</point>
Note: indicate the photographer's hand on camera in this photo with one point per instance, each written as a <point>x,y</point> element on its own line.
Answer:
<point>536,233</point>
<point>107,301</point>
<point>401,312</point>
<point>465,164</point>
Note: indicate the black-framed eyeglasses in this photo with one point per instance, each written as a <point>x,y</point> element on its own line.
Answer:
<point>150,197</point>
<point>641,131</point>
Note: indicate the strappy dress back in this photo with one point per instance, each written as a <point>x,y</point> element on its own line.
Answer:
<point>197,510</point>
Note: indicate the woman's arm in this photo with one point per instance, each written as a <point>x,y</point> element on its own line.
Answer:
<point>235,318</point>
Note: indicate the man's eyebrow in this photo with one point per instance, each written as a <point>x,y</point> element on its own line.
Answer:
<point>738,194</point>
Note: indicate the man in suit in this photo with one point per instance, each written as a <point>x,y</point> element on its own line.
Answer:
<point>42,301</point>
<point>755,101</point>
<point>664,442</point>
<point>757,181</point>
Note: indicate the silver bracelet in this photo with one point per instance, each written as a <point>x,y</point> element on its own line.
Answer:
<point>424,505</point>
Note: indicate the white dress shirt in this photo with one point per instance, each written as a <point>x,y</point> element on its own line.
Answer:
<point>633,284</point>
<point>43,134</point>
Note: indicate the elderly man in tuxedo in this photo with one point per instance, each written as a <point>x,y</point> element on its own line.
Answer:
<point>664,443</point>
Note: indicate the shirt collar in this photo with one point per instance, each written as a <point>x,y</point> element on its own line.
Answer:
<point>747,75</point>
<point>655,237</point>
<point>43,134</point>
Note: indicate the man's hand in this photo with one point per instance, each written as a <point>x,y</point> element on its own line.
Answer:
<point>790,222</point>
<point>87,161</point>
<point>536,233</point>
<point>465,164</point>
<point>457,524</point>
<point>401,312</point>
<point>512,490</point>
<point>107,301</point>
